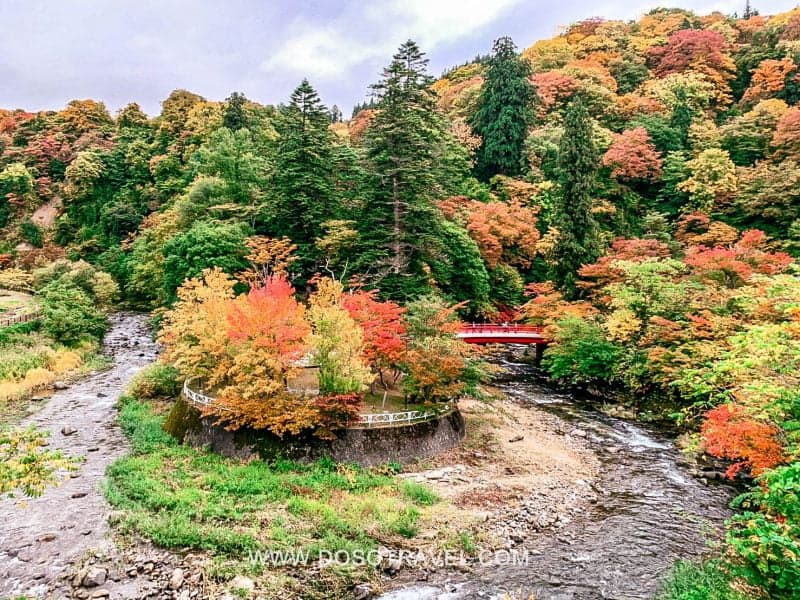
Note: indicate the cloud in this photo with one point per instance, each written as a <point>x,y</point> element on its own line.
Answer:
<point>361,34</point>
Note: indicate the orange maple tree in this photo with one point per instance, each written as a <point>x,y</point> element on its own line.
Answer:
<point>633,157</point>
<point>730,432</point>
<point>384,332</point>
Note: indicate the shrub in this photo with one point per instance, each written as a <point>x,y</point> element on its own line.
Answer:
<point>156,381</point>
<point>704,581</point>
<point>16,279</point>
<point>32,233</point>
<point>767,543</point>
<point>69,314</point>
<point>581,353</point>
<point>419,493</point>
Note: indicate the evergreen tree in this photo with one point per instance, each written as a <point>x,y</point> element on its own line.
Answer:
<point>234,117</point>
<point>504,112</point>
<point>305,195</point>
<point>409,148</point>
<point>578,240</point>
<point>336,114</point>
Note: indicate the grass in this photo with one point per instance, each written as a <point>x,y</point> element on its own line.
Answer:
<point>31,361</point>
<point>184,498</point>
<point>700,581</point>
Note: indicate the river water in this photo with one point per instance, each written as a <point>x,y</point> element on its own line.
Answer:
<point>650,511</point>
<point>42,538</point>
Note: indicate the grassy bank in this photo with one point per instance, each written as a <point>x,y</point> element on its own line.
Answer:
<point>183,498</point>
<point>31,361</point>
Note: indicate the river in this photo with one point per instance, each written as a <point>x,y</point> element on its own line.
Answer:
<point>41,539</point>
<point>650,511</point>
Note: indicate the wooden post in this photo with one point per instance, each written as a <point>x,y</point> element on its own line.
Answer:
<point>539,354</point>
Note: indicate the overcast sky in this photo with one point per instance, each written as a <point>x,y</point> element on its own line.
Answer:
<point>119,51</point>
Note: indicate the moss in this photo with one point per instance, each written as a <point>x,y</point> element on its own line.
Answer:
<point>181,419</point>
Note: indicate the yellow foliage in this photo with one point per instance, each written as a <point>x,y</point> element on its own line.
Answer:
<point>194,331</point>
<point>16,279</point>
<point>622,324</point>
<point>37,378</point>
<point>65,361</point>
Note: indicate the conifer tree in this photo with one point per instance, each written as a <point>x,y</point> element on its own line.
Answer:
<point>303,176</point>
<point>234,117</point>
<point>504,112</point>
<point>578,240</point>
<point>410,150</point>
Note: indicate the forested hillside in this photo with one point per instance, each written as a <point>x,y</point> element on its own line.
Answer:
<point>634,186</point>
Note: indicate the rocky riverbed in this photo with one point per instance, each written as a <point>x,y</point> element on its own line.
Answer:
<point>599,507</point>
<point>643,510</point>
<point>43,539</point>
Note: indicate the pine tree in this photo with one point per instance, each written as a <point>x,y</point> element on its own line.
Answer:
<point>504,112</point>
<point>234,117</point>
<point>579,240</point>
<point>410,150</point>
<point>305,195</point>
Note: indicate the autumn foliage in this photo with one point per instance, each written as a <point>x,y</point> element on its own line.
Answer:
<point>632,156</point>
<point>729,432</point>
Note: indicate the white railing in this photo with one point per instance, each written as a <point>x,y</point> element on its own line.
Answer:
<point>389,419</point>
<point>198,398</point>
<point>365,420</point>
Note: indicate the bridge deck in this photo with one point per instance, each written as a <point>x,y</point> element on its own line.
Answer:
<point>502,334</point>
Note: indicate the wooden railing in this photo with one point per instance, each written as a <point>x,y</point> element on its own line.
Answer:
<point>19,318</point>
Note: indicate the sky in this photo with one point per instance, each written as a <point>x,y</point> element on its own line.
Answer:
<point>121,51</point>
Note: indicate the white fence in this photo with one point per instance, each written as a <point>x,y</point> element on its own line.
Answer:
<point>198,398</point>
<point>367,420</point>
<point>397,418</point>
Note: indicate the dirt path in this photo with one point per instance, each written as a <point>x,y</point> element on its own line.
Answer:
<point>40,540</point>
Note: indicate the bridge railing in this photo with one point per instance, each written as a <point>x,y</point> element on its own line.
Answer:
<point>472,328</point>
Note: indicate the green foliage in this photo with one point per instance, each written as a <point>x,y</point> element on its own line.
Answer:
<point>458,268</point>
<point>204,245</point>
<point>504,111</point>
<point>419,494</point>
<point>415,160</point>
<point>159,380</point>
<point>69,314</point>
<point>31,233</point>
<point>304,171</point>
<point>234,157</point>
<point>704,581</point>
<point>582,354</point>
<point>578,235</point>
<point>767,543</point>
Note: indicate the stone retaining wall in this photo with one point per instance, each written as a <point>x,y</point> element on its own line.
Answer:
<point>364,446</point>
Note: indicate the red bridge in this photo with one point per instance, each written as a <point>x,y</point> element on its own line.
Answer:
<point>502,334</point>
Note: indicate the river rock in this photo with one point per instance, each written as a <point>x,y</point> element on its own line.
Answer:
<point>391,565</point>
<point>68,430</point>
<point>362,591</point>
<point>176,579</point>
<point>60,385</point>
<point>240,582</point>
<point>94,577</point>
